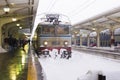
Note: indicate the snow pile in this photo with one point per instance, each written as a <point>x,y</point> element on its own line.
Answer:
<point>54,53</point>
<point>104,48</point>
<point>2,50</point>
<point>80,67</point>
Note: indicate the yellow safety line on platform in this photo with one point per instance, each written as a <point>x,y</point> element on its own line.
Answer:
<point>32,74</point>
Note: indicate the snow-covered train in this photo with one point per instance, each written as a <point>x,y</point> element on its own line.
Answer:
<point>53,34</point>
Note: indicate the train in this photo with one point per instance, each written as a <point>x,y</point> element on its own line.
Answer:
<point>53,34</point>
<point>105,40</point>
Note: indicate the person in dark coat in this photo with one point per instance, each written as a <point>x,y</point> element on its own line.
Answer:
<point>11,43</point>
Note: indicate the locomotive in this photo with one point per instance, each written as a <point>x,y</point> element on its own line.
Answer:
<point>53,34</point>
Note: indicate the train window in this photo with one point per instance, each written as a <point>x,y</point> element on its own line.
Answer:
<point>48,30</point>
<point>59,29</point>
<point>62,29</point>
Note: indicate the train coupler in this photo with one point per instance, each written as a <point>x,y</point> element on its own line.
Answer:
<point>66,54</point>
<point>46,53</point>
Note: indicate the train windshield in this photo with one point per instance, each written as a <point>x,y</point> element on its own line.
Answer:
<point>62,29</point>
<point>48,30</point>
<point>58,29</point>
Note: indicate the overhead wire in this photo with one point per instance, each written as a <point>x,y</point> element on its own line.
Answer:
<point>50,1</point>
<point>82,4</point>
<point>83,8</point>
<point>51,6</point>
<point>74,12</point>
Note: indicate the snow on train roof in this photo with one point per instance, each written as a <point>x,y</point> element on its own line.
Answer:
<point>93,34</point>
<point>47,23</point>
<point>116,32</point>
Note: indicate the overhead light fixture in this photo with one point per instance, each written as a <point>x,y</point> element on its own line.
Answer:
<point>20,27</point>
<point>17,24</point>
<point>6,9</point>
<point>14,19</point>
<point>12,4</point>
<point>93,29</point>
<point>76,32</point>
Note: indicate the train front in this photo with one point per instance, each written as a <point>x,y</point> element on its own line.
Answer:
<point>54,38</point>
<point>53,35</point>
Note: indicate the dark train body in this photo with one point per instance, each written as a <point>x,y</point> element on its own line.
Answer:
<point>105,40</point>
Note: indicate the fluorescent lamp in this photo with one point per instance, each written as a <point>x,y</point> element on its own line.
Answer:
<point>6,9</point>
<point>93,29</point>
<point>18,24</point>
<point>14,19</point>
<point>20,27</point>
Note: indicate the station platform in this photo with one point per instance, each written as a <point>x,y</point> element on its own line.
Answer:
<point>20,65</point>
<point>110,49</point>
<point>108,52</point>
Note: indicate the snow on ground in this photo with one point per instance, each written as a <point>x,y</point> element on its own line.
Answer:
<point>80,67</point>
<point>2,50</point>
<point>104,48</point>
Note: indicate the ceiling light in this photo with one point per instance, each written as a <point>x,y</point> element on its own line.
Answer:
<point>93,29</point>
<point>6,9</point>
<point>20,27</point>
<point>14,19</point>
<point>18,24</point>
<point>76,32</point>
<point>12,3</point>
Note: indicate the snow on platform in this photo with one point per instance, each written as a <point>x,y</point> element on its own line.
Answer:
<point>80,67</point>
<point>2,50</point>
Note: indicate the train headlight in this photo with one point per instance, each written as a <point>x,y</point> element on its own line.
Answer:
<point>45,43</point>
<point>66,43</point>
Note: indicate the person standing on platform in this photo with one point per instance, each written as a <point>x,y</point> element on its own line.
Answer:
<point>11,43</point>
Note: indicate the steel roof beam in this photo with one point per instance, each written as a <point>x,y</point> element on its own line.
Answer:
<point>17,5</point>
<point>113,19</point>
<point>99,16</point>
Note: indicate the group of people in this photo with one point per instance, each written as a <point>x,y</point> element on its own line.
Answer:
<point>12,43</point>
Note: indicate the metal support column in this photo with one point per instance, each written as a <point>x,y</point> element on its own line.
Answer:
<point>88,40</point>
<point>112,37</point>
<point>81,40</point>
<point>98,38</point>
